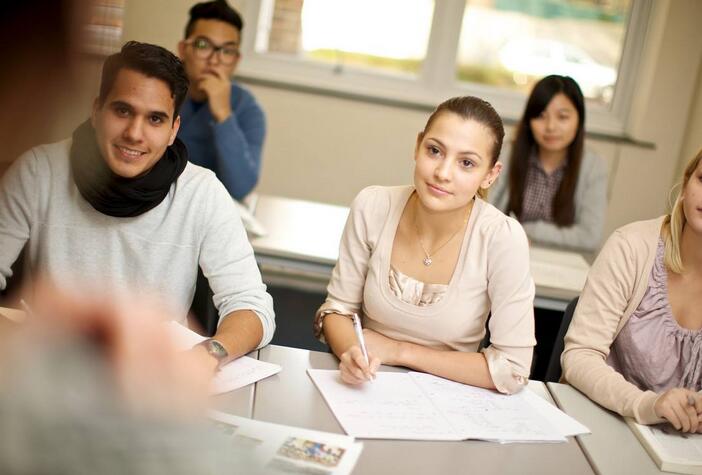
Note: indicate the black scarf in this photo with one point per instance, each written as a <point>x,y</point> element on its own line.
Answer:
<point>118,196</point>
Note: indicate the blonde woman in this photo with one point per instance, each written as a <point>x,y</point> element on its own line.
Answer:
<point>635,343</point>
<point>424,264</point>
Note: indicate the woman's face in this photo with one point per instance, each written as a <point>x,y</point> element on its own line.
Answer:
<point>692,200</point>
<point>453,159</point>
<point>555,128</point>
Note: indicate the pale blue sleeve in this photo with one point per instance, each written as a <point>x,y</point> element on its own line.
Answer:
<point>239,143</point>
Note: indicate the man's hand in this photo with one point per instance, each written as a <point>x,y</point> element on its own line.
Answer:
<point>203,360</point>
<point>217,88</point>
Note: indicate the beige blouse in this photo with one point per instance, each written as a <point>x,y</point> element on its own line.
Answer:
<point>492,276</point>
<point>414,291</point>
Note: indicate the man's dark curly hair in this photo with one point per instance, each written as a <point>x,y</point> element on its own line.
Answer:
<point>216,10</point>
<point>150,60</point>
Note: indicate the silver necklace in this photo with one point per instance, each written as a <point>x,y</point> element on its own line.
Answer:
<point>427,261</point>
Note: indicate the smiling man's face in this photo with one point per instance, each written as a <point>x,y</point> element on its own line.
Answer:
<point>134,124</point>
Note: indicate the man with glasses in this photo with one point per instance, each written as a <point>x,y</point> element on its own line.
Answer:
<point>221,123</point>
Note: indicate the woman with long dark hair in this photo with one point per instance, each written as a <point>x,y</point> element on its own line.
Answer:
<point>550,182</point>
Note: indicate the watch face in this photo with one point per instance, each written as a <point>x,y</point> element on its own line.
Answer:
<point>218,348</point>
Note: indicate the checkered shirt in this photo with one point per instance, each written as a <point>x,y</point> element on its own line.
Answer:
<point>539,190</point>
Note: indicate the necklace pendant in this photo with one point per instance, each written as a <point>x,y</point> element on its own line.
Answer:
<point>427,261</point>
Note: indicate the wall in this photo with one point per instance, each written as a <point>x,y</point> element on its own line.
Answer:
<point>693,134</point>
<point>327,149</point>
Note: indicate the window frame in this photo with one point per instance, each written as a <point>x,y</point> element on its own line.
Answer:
<point>436,80</point>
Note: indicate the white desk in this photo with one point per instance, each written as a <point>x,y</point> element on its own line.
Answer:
<point>291,398</point>
<point>612,448</point>
<point>302,246</point>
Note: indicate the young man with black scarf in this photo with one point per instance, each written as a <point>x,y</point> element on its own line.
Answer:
<point>118,210</point>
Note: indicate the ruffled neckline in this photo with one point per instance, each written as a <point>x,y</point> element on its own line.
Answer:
<point>413,291</point>
<point>658,287</point>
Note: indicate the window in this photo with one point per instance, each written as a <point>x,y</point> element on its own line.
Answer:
<point>511,43</point>
<point>103,29</point>
<point>420,52</point>
<point>352,33</point>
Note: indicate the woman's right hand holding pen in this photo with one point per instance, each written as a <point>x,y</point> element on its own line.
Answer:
<point>682,408</point>
<point>353,366</point>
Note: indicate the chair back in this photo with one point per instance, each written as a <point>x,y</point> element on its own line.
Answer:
<point>553,370</point>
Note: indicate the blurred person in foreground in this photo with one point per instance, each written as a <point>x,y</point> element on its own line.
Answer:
<point>117,208</point>
<point>37,68</point>
<point>91,387</point>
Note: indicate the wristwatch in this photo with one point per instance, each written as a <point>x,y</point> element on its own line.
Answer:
<point>216,350</point>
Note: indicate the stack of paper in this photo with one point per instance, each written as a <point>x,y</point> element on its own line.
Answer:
<point>424,407</point>
<point>234,375</point>
<point>671,450</point>
<point>277,449</point>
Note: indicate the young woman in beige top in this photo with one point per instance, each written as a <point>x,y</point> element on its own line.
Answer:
<point>635,342</point>
<point>424,265</point>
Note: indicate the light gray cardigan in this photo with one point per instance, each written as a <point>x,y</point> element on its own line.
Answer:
<point>590,206</point>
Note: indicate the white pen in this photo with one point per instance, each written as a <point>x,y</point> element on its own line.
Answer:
<point>359,335</point>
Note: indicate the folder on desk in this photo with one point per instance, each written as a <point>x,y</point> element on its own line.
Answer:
<point>419,406</point>
<point>671,450</point>
<point>270,449</point>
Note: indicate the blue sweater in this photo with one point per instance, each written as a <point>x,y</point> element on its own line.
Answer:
<point>231,149</point>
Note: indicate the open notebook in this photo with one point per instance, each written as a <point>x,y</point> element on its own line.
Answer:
<point>234,375</point>
<point>419,406</point>
<point>671,450</point>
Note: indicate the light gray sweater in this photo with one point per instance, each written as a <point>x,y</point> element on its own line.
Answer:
<point>155,254</point>
<point>590,206</point>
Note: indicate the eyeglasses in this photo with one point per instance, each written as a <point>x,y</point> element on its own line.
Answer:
<point>204,49</point>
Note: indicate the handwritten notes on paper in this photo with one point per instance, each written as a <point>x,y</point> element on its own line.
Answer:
<point>391,407</point>
<point>485,414</point>
<point>424,407</point>
<point>235,374</point>
<point>242,372</point>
